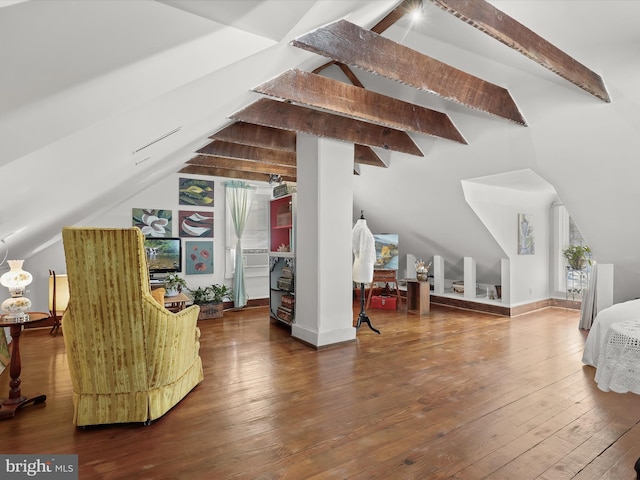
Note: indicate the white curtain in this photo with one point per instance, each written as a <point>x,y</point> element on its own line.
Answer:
<point>589,306</point>
<point>239,198</point>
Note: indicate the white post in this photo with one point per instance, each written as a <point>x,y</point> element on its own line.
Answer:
<point>469,278</point>
<point>324,221</point>
<point>505,278</point>
<point>438,275</point>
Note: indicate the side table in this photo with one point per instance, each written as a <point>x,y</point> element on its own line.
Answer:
<point>9,406</point>
<point>418,297</point>
<point>176,303</point>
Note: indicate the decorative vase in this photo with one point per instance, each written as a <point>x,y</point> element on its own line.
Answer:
<point>16,307</point>
<point>422,276</point>
<point>172,292</point>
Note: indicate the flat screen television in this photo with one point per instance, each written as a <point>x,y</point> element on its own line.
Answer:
<point>164,255</point>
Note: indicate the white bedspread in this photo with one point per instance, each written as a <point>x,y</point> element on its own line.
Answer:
<point>619,312</point>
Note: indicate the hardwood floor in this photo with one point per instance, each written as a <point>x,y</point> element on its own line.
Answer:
<point>454,395</point>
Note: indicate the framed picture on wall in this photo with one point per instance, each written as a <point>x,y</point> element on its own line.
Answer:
<point>153,222</point>
<point>195,224</point>
<point>526,239</point>
<point>198,257</point>
<point>193,191</point>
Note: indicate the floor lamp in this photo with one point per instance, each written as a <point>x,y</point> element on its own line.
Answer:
<point>58,299</point>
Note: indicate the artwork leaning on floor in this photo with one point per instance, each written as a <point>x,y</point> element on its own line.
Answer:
<point>526,238</point>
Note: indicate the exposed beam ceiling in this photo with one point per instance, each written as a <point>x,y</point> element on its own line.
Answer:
<point>249,152</point>
<point>243,165</point>
<point>502,27</point>
<point>263,135</point>
<point>258,136</point>
<point>339,97</point>
<point>350,44</point>
<point>284,115</point>
<point>366,156</point>
<point>261,152</point>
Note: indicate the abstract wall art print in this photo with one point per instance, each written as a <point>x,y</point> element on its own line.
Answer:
<point>193,191</point>
<point>153,222</point>
<point>195,224</point>
<point>199,257</point>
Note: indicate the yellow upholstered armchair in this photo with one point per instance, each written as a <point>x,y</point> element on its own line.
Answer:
<point>131,360</point>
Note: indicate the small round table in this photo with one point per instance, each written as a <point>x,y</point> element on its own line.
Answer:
<point>619,361</point>
<point>9,406</point>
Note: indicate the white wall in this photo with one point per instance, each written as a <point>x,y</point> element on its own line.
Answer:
<point>498,208</point>
<point>162,195</point>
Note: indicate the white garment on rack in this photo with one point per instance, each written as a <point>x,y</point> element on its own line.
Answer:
<point>364,251</point>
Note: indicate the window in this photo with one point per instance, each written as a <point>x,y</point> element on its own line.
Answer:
<point>255,238</point>
<point>566,283</point>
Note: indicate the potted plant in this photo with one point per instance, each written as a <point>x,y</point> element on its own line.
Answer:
<point>210,299</point>
<point>577,256</point>
<point>174,284</point>
<point>220,293</point>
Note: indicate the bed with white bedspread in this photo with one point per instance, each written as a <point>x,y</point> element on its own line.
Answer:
<point>629,310</point>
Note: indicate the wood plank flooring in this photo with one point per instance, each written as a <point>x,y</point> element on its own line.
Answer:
<point>453,395</point>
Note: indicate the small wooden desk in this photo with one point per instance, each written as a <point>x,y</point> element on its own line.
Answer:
<point>177,302</point>
<point>418,297</point>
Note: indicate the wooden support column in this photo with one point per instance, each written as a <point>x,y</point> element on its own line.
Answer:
<point>324,302</point>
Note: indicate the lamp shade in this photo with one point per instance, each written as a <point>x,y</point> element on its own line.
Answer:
<point>16,278</point>
<point>61,293</point>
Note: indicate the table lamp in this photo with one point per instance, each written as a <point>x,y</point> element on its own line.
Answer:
<point>16,280</point>
<point>58,297</point>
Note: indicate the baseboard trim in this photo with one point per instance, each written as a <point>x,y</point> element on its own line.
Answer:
<point>504,311</point>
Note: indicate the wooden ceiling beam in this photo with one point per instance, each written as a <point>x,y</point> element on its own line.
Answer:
<point>366,156</point>
<point>243,165</point>
<point>497,24</point>
<point>284,115</point>
<point>249,152</point>
<point>405,8</point>
<point>348,43</point>
<point>257,136</point>
<point>230,173</point>
<point>315,91</point>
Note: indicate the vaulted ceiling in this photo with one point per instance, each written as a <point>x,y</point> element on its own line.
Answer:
<point>259,143</point>
<point>103,102</point>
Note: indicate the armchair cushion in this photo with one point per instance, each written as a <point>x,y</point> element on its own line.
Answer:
<point>158,295</point>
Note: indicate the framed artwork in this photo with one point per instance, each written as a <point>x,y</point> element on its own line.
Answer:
<point>152,222</point>
<point>195,192</point>
<point>526,238</point>
<point>199,257</point>
<point>386,250</point>
<point>195,224</point>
